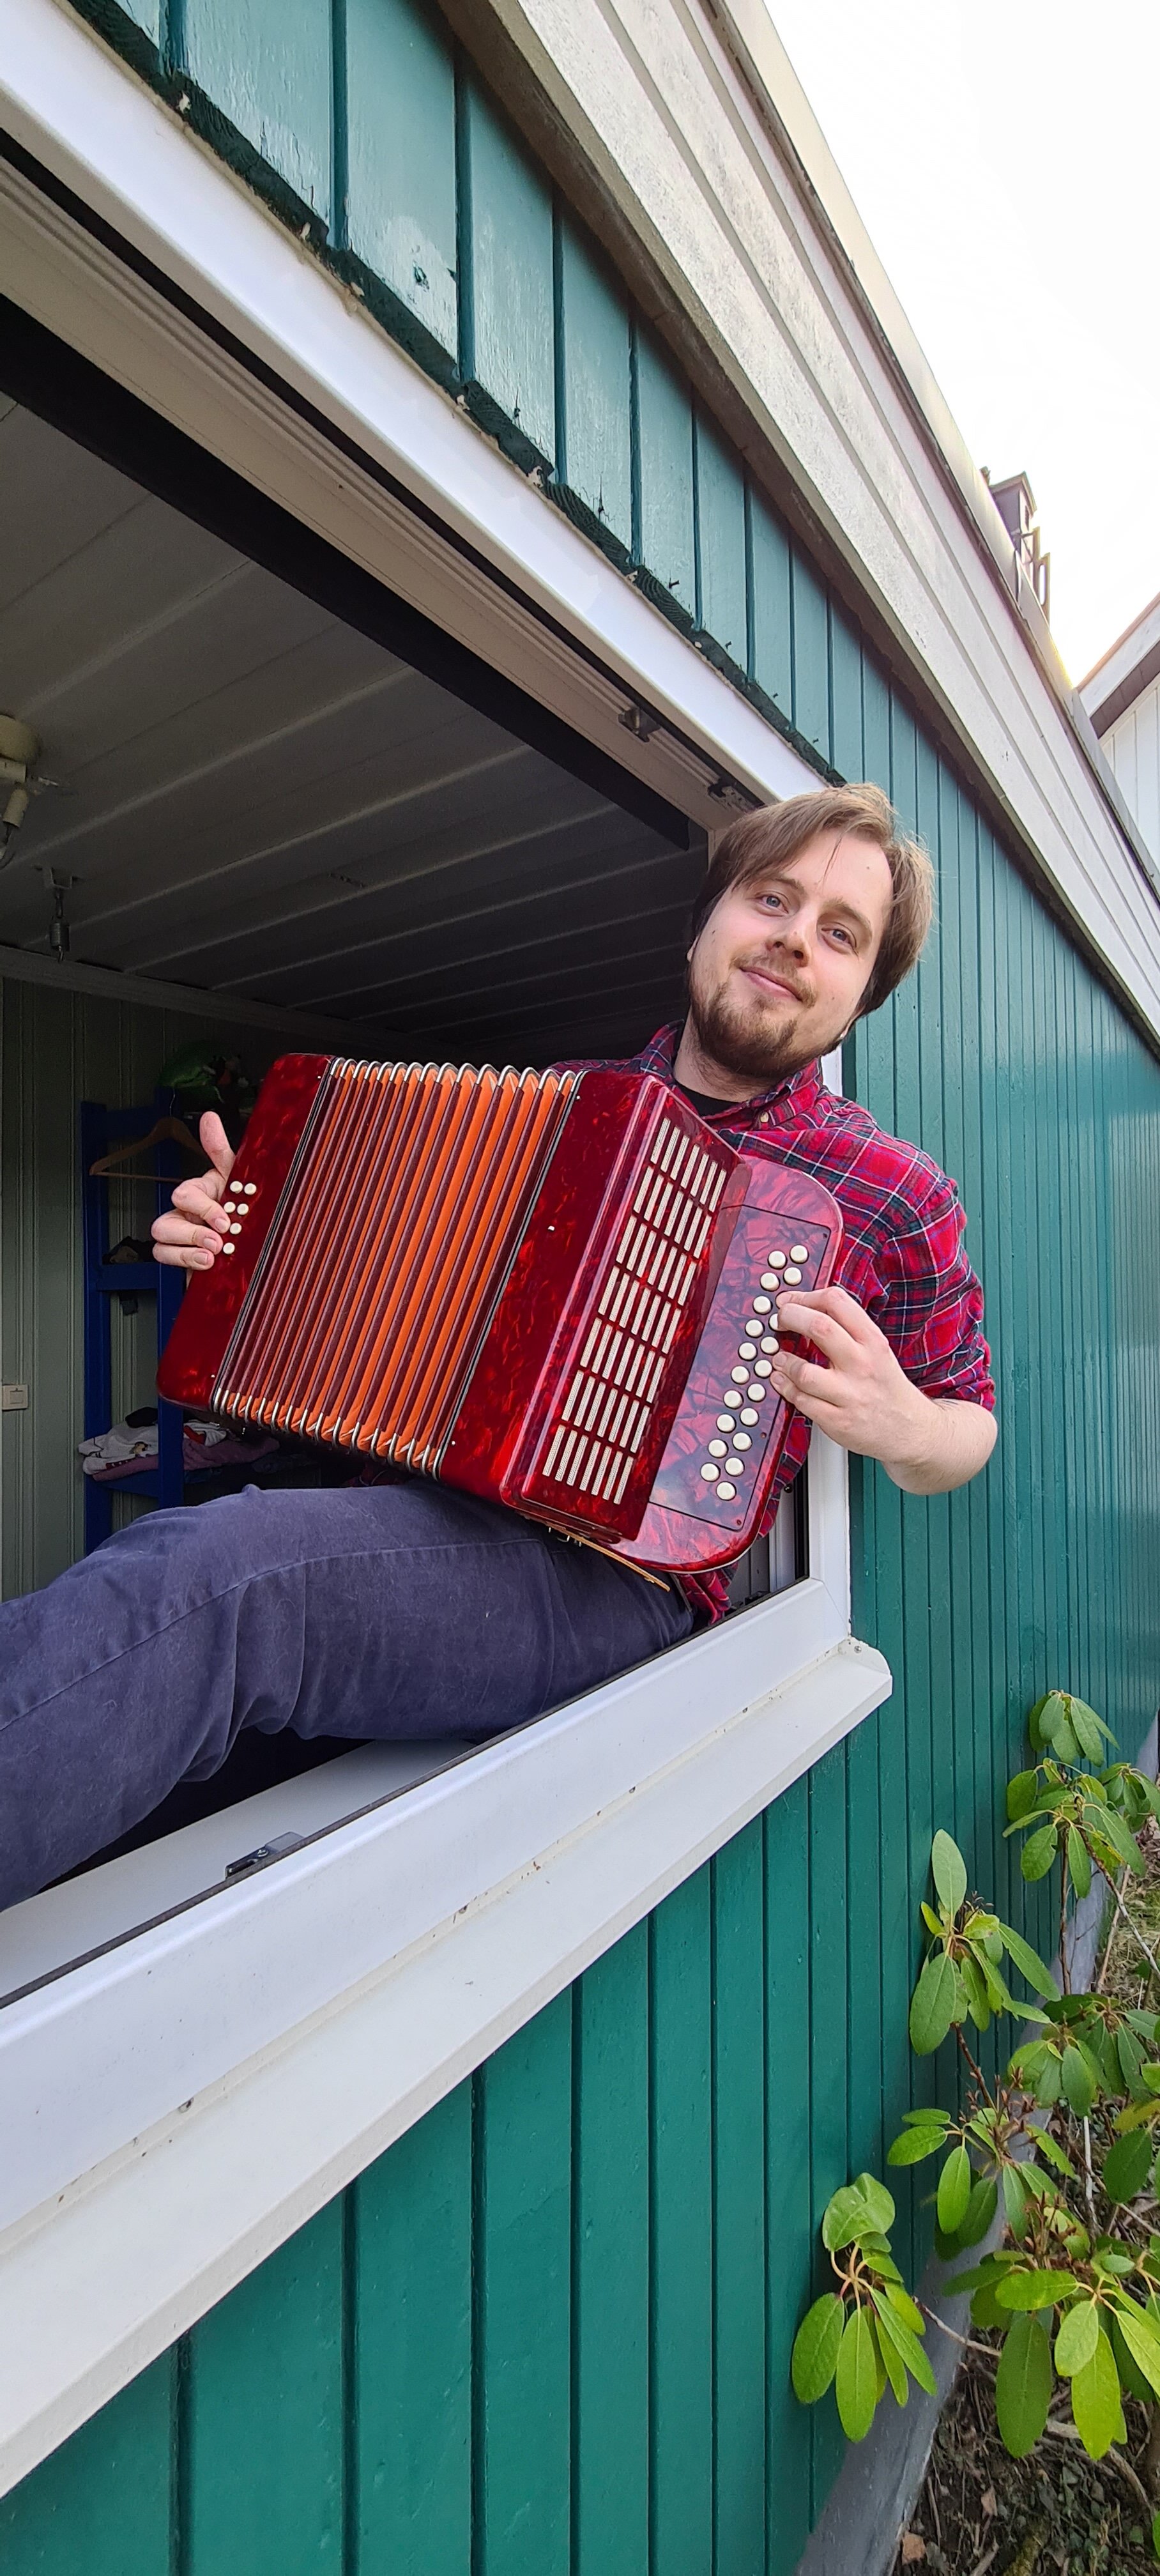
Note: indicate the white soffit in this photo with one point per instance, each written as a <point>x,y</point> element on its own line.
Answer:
<point>576,635</point>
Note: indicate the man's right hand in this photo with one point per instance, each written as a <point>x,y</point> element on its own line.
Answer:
<point>191,1236</point>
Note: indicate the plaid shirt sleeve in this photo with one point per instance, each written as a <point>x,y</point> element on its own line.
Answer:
<point>921,1290</point>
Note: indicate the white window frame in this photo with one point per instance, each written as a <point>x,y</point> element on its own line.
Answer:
<point>174,2108</point>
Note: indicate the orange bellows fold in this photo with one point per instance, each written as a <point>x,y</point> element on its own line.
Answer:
<point>369,1326</point>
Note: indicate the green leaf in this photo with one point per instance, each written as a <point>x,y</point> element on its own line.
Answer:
<point>1126,2165</point>
<point>1086,1728</point>
<point>1046,2145</point>
<point>914,2144</point>
<point>929,2119</point>
<point>1131,2377</point>
<point>856,2377</point>
<point>878,2201</point>
<point>892,2362</point>
<point>1029,1964</point>
<point>1142,2340</point>
<point>1078,2082</point>
<point>975,1985</point>
<point>902,2305</point>
<point>1123,1842</point>
<point>1078,2335</point>
<point>932,2005</point>
<point>949,1871</point>
<point>1039,1852</point>
<point>981,2209</point>
<point>954,2190</point>
<point>814,2358</point>
<point>1078,1862</point>
<point>1156,2533</point>
<point>1021,1794</point>
<point>1014,2199</point>
<point>985,2308</point>
<point>1034,2290</point>
<point>1095,2401</point>
<point>1035,1722</point>
<point>1023,2386</point>
<point>907,2346</point>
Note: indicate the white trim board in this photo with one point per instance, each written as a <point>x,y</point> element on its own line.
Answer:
<point>192,1001</point>
<point>99,2280</point>
<point>77,109</point>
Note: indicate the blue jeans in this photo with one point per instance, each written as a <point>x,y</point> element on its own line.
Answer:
<point>398,1610</point>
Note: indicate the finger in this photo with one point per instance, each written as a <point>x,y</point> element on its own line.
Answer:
<point>815,1325</point>
<point>845,1310</point>
<point>800,1379</point>
<point>180,1256</point>
<point>216,1142</point>
<point>198,1200</point>
<point>175,1230</point>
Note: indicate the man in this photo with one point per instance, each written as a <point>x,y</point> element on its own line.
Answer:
<point>405,1610</point>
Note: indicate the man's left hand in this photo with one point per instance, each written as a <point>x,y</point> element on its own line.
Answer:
<point>863,1400</point>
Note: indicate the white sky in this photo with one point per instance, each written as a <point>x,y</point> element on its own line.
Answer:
<point>1005,164</point>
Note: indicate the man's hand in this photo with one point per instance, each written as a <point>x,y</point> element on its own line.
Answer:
<point>192,1235</point>
<point>863,1400</point>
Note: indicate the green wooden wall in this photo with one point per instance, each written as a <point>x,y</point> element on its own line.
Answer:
<point>57,1049</point>
<point>547,2334</point>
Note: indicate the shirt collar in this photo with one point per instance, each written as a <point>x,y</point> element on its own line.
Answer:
<point>781,1105</point>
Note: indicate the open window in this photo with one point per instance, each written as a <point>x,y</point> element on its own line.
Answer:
<point>264,823</point>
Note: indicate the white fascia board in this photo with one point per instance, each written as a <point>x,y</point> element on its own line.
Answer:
<point>98,2280</point>
<point>89,121</point>
<point>1122,660</point>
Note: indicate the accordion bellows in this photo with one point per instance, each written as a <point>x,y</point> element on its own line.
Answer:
<point>531,1286</point>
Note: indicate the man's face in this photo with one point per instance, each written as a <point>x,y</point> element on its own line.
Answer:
<point>781,965</point>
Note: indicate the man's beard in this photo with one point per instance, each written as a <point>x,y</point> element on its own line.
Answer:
<point>745,1042</point>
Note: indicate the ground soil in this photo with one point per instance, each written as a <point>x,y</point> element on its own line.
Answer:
<point>1058,2513</point>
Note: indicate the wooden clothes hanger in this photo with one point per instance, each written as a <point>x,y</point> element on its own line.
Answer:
<point>164,1131</point>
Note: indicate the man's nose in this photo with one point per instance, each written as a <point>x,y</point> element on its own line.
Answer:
<point>792,931</point>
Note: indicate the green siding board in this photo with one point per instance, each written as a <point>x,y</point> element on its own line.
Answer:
<point>771,614</point>
<point>400,158</point>
<point>522,2355</point>
<point>738,1944</point>
<point>506,283</point>
<point>811,655</point>
<point>829,2143</point>
<point>103,2504</point>
<point>410,2405</point>
<point>610,2263</point>
<point>722,595</point>
<point>788,2206</point>
<point>263,2476</point>
<point>681,2360</point>
<point>266,65</point>
<point>664,539</point>
<point>594,407</point>
<point>845,698</point>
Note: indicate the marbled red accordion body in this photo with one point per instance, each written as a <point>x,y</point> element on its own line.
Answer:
<point>535,1287</point>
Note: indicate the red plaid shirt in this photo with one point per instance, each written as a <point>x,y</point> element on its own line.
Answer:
<point>902,1252</point>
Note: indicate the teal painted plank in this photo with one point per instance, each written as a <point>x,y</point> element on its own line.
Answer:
<point>145,14</point>
<point>266,64</point>
<point>682,2234</point>
<point>829,2143</point>
<point>845,697</point>
<point>103,2504</point>
<point>770,611</point>
<point>523,2320</point>
<point>875,725</point>
<point>263,2414</point>
<point>507,354</point>
<point>663,416</point>
<point>811,656</point>
<point>720,525</point>
<point>864,1950</point>
<point>400,213</point>
<point>410,2404</point>
<point>594,410</point>
<point>611,2263</point>
<point>739,2373</point>
<point>789,2212</point>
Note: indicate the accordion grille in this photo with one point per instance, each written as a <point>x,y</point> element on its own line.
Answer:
<point>355,1329</point>
<point>609,1402</point>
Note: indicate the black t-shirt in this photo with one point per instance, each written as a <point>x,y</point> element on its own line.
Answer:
<point>704,1102</point>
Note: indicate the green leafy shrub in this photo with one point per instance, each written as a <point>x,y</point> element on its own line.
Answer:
<point>1062,2151</point>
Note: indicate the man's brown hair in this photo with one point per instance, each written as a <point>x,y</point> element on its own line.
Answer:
<point>761,843</point>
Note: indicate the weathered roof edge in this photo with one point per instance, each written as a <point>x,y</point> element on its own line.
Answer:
<point>746,29</point>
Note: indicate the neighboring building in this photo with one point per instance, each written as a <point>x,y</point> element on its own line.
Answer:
<point>1122,697</point>
<point>448,463</point>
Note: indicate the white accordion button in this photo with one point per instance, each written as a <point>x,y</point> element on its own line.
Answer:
<point>731,1398</point>
<point>741,1440</point>
<point>735,1466</point>
<point>739,1376</point>
<point>799,1252</point>
<point>757,1393</point>
<point>724,1422</point>
<point>761,1305</point>
<point>770,1342</point>
<point>710,1474</point>
<point>777,1260</point>
<point>747,1350</point>
<point>763,1368</point>
<point>749,1412</point>
<point>769,1279</point>
<point>228,1208</point>
<point>235,1229</point>
<point>792,1278</point>
<point>717,1447</point>
<point>726,1492</point>
<point>227,1247</point>
<point>251,1189</point>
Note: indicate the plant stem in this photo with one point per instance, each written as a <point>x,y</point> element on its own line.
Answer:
<point>1135,1931</point>
<point>1099,1984</point>
<point>1152,2454</point>
<point>1064,1967</point>
<point>976,2069</point>
<point>967,2342</point>
<point>1088,2183</point>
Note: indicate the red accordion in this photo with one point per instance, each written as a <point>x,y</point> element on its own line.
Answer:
<point>553,1290</point>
